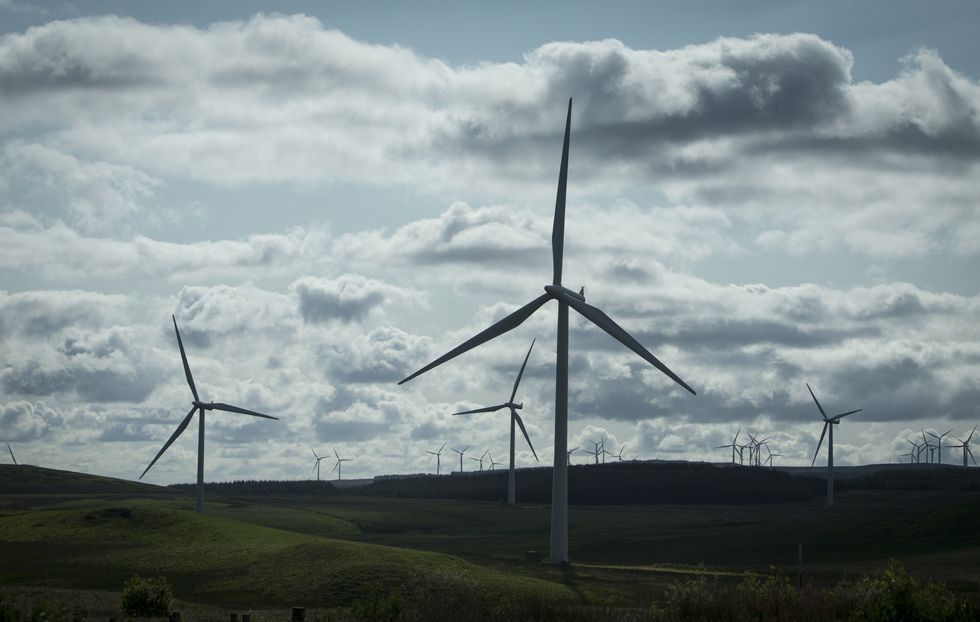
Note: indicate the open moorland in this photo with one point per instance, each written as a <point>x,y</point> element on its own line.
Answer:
<point>378,551</point>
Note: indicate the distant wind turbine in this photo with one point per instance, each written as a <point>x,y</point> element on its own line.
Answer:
<point>15,459</point>
<point>318,459</point>
<point>828,424</point>
<point>460,452</point>
<point>493,463</point>
<point>200,407</point>
<point>338,467</point>
<point>964,445</point>
<point>733,444</point>
<point>566,298</point>
<point>480,459</point>
<point>940,443</point>
<point>568,455</point>
<point>514,418</point>
<point>438,455</point>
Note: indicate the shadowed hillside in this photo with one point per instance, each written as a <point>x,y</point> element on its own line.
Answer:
<point>29,479</point>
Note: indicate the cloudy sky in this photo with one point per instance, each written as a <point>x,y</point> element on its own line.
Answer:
<point>328,197</point>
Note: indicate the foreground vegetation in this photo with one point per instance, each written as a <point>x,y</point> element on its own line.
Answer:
<point>353,557</point>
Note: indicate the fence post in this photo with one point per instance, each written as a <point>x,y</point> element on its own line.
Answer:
<point>299,614</point>
<point>799,565</point>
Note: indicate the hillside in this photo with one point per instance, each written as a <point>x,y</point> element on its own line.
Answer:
<point>28,479</point>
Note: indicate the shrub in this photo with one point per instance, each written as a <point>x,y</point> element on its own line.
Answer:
<point>146,596</point>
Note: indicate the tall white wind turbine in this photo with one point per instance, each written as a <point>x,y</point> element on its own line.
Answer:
<point>460,452</point>
<point>438,455</point>
<point>939,449</point>
<point>828,424</point>
<point>318,459</point>
<point>566,298</point>
<point>964,445</point>
<point>338,466</point>
<point>200,407</point>
<point>733,444</point>
<point>514,418</point>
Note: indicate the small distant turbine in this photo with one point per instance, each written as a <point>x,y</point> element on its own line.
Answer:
<point>568,456</point>
<point>828,424</point>
<point>198,406</point>
<point>338,467</point>
<point>438,455</point>
<point>964,445</point>
<point>733,444</point>
<point>493,463</point>
<point>480,459</point>
<point>915,453</point>
<point>566,298</point>
<point>318,459</point>
<point>514,418</point>
<point>597,450</point>
<point>460,452</point>
<point>940,443</point>
<point>619,456</point>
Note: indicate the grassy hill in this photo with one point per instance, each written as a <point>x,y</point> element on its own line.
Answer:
<point>25,479</point>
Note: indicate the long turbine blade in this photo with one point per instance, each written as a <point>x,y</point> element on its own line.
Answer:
<point>486,409</point>
<point>510,322</point>
<point>971,434</point>
<point>173,437</point>
<point>524,431</point>
<point>558,228</point>
<point>822,413</point>
<point>314,453</point>
<point>603,321</point>
<point>11,454</point>
<point>236,409</point>
<point>183,357</point>
<point>735,440</point>
<point>441,448</point>
<point>970,451</point>
<point>521,373</point>
<point>842,415</point>
<point>819,443</point>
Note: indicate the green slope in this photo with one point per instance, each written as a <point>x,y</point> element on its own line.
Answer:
<point>97,545</point>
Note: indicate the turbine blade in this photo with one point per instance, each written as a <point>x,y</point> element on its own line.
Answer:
<point>826,423</point>
<point>336,464</point>
<point>970,451</point>
<point>443,447</point>
<point>314,453</point>
<point>173,437</point>
<point>603,321</point>
<point>842,415</point>
<point>971,434</point>
<point>510,322</point>
<point>946,432</point>
<point>183,357</point>
<point>486,409</point>
<point>336,454</point>
<point>932,435</point>
<point>236,409</point>
<point>815,400</point>
<point>465,448</point>
<point>11,454</point>
<point>735,440</point>
<point>558,228</point>
<point>524,431</point>
<point>521,373</point>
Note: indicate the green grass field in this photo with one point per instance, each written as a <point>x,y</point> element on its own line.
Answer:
<point>331,552</point>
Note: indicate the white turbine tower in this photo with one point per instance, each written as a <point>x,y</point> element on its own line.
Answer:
<point>318,459</point>
<point>733,444</point>
<point>200,407</point>
<point>338,467</point>
<point>514,418</point>
<point>964,445</point>
<point>438,455</point>
<point>566,298</point>
<point>828,424</point>
<point>940,443</point>
<point>460,452</point>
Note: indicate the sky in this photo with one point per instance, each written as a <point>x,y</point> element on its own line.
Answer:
<point>327,196</point>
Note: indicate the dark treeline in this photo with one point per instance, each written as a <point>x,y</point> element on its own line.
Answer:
<point>916,477</point>
<point>612,484</point>
<point>266,487</point>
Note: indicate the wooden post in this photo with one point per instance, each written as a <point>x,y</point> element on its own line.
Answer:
<point>799,565</point>
<point>299,614</point>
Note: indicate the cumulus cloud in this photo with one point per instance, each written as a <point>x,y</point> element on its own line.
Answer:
<point>347,298</point>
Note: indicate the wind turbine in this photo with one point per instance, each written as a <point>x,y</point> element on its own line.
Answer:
<point>493,463</point>
<point>338,466</point>
<point>568,455</point>
<point>940,444</point>
<point>200,407</point>
<point>437,454</point>
<point>461,456</point>
<point>965,445</point>
<point>733,444</point>
<point>566,298</point>
<point>771,456</point>
<point>318,459</point>
<point>595,452</point>
<point>514,418</point>
<point>480,459</point>
<point>15,459</point>
<point>915,453</point>
<point>931,449</point>
<point>620,454</point>
<point>828,424</point>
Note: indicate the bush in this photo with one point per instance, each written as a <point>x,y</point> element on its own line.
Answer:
<point>891,594</point>
<point>146,596</point>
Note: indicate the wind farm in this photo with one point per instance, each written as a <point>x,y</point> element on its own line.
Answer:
<point>352,213</point>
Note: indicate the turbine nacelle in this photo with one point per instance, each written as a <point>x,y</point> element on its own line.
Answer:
<point>557,290</point>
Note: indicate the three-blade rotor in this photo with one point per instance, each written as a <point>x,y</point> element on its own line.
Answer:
<point>197,403</point>
<point>827,421</point>
<point>556,291</point>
